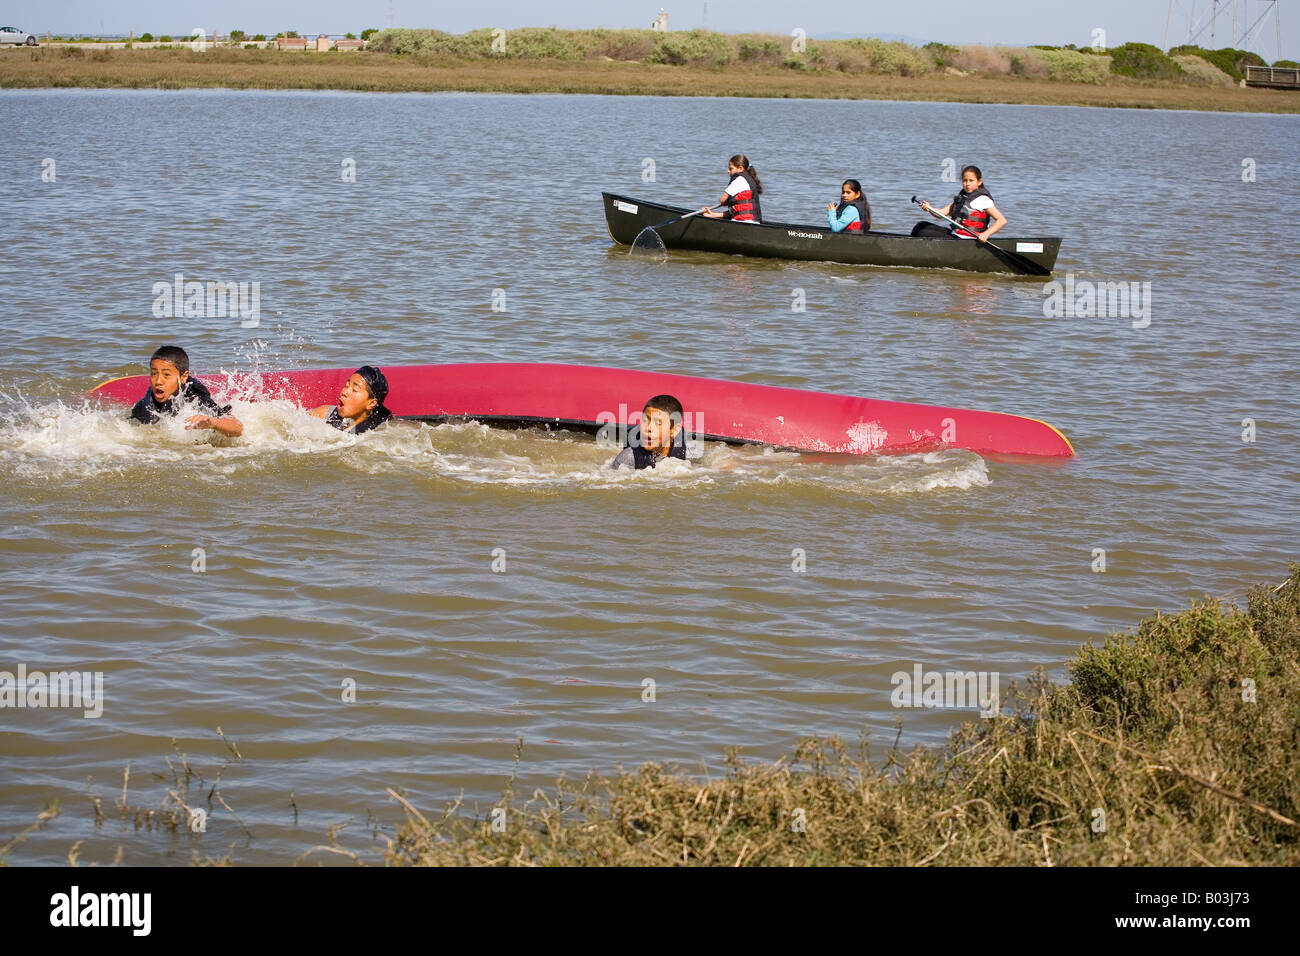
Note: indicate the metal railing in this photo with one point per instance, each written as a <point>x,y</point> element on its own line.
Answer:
<point>1280,77</point>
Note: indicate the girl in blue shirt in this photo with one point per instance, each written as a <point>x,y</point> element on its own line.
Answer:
<point>852,214</point>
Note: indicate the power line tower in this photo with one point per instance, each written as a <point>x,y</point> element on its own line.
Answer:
<point>1208,20</point>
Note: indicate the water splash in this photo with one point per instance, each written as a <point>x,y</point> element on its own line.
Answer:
<point>67,442</point>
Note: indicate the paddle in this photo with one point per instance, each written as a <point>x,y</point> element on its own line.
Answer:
<point>648,241</point>
<point>1028,265</point>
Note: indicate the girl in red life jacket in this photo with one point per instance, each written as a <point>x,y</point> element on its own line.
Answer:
<point>741,197</point>
<point>852,214</point>
<point>972,207</point>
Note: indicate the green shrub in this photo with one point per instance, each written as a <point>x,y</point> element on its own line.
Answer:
<point>1073,66</point>
<point>880,56</point>
<point>1143,61</point>
<point>940,53</point>
<point>696,48</point>
<point>631,45</point>
<point>260,37</point>
<point>794,62</point>
<point>164,39</point>
<point>1288,64</point>
<point>367,33</point>
<point>1230,61</point>
<point>238,36</point>
<point>895,57</point>
<point>532,43</point>
<point>752,49</point>
<point>405,42</point>
<point>144,38</point>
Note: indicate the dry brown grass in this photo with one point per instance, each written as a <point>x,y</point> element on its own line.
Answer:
<point>269,69</point>
<point>1154,755</point>
<point>1204,71</point>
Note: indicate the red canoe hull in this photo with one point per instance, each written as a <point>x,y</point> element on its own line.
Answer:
<point>588,397</point>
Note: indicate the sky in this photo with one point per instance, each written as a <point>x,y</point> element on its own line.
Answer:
<point>1013,22</point>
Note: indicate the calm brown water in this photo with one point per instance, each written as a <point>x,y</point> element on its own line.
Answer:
<point>331,559</point>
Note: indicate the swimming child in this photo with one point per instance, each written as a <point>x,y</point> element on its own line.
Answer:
<point>361,403</point>
<point>660,436</point>
<point>171,387</point>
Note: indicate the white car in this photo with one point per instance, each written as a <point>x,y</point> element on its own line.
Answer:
<point>16,37</point>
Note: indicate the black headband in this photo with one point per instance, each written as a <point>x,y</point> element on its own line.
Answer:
<point>375,382</point>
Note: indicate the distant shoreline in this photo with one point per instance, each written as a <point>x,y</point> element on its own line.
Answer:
<point>52,67</point>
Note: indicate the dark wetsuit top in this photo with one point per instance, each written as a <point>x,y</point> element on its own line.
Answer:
<point>634,456</point>
<point>149,410</point>
<point>379,416</point>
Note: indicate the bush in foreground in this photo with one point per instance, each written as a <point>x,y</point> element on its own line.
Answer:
<point>1173,745</point>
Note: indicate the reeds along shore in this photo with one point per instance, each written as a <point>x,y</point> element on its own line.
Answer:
<point>1173,745</point>
<point>671,64</point>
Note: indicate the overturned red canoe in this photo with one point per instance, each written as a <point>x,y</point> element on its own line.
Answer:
<point>588,397</point>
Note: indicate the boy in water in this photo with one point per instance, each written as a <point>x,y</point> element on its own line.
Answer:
<point>170,387</point>
<point>660,436</point>
<point>361,403</point>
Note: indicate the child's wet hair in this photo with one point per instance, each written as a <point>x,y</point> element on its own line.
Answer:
<point>174,354</point>
<point>666,404</point>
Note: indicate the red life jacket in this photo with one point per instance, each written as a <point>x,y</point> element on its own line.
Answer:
<point>972,220</point>
<point>744,205</point>
<point>864,214</point>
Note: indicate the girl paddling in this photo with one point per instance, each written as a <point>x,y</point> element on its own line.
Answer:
<point>741,197</point>
<point>972,207</point>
